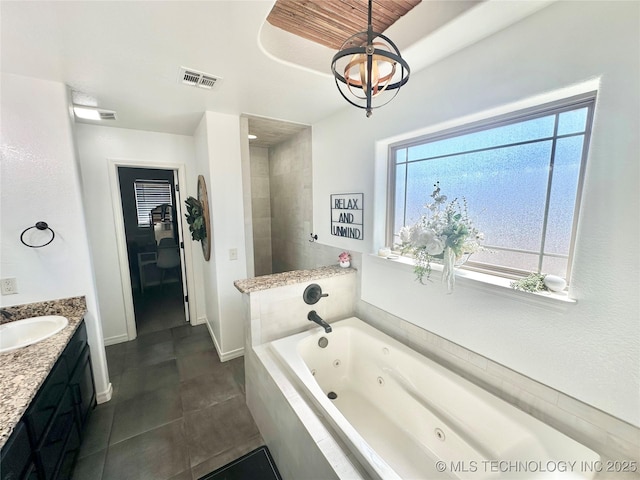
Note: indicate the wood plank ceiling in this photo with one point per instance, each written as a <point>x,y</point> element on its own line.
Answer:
<point>331,22</point>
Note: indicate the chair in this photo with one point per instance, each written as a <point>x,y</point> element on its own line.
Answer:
<point>168,257</point>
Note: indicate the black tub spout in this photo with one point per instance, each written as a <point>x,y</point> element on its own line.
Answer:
<point>314,317</point>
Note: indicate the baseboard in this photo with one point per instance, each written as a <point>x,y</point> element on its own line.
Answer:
<point>200,320</point>
<point>104,397</point>
<point>224,356</point>
<point>117,339</point>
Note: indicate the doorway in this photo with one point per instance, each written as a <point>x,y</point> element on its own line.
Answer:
<point>151,212</point>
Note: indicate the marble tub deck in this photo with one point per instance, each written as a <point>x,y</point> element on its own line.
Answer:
<point>23,371</point>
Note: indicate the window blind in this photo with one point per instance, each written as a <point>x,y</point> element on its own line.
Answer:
<point>149,194</point>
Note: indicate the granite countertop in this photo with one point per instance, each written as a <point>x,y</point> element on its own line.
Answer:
<point>289,278</point>
<point>23,371</point>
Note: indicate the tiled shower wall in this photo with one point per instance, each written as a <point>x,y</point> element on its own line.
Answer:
<point>282,209</point>
<point>261,210</point>
<point>291,203</point>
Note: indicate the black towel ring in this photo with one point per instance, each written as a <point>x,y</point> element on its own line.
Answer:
<point>39,226</point>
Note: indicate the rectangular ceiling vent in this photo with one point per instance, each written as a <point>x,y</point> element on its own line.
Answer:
<point>194,78</point>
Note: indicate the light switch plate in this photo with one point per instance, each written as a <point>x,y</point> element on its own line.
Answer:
<point>8,286</point>
<point>233,254</point>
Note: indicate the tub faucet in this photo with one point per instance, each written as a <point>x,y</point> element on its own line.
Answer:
<point>314,317</point>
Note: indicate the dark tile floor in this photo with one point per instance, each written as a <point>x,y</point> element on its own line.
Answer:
<point>177,412</point>
<point>159,308</point>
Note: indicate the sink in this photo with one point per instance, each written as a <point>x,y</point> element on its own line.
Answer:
<point>22,333</point>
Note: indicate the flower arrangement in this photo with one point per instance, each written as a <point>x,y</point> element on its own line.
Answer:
<point>345,259</point>
<point>444,232</point>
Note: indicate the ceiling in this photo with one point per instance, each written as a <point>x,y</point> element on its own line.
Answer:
<point>270,132</point>
<point>126,56</point>
<point>331,22</point>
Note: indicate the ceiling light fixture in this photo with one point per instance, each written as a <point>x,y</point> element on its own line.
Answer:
<point>252,137</point>
<point>86,112</point>
<point>93,113</point>
<point>369,69</point>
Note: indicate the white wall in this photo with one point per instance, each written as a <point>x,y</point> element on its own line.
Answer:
<point>211,312</point>
<point>97,145</point>
<point>590,351</point>
<point>218,154</point>
<point>40,181</point>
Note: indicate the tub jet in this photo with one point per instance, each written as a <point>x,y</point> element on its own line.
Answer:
<point>332,395</point>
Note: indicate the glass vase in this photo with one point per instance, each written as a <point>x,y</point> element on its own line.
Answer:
<point>448,270</point>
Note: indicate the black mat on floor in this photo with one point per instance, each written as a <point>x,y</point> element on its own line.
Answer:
<point>255,465</point>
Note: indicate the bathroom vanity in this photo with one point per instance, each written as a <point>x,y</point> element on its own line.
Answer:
<point>48,394</point>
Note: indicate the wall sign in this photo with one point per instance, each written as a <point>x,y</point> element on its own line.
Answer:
<point>347,215</point>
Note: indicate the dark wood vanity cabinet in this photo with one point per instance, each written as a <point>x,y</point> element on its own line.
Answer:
<point>17,456</point>
<point>45,443</point>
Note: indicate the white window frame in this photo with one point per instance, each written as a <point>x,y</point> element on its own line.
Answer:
<point>586,99</point>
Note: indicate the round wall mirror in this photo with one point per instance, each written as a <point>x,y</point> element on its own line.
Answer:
<point>203,198</point>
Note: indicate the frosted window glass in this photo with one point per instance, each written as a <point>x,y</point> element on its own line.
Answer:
<point>399,202</point>
<point>509,134</point>
<point>554,266</point>
<point>562,201</point>
<point>507,259</point>
<point>505,189</point>
<point>573,121</point>
<point>506,174</point>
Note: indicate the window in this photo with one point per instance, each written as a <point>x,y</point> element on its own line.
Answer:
<point>150,194</point>
<point>521,175</point>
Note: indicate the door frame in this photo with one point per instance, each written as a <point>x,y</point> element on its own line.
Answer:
<point>121,239</point>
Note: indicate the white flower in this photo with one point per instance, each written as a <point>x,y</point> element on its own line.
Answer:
<point>428,239</point>
<point>435,247</point>
<point>405,235</point>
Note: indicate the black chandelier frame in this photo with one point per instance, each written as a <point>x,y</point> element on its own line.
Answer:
<point>370,51</point>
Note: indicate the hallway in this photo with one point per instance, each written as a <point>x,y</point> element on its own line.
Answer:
<point>159,308</point>
<point>176,413</point>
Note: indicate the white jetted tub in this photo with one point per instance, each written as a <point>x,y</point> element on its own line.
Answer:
<point>406,417</point>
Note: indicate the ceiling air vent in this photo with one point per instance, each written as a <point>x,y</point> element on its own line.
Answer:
<point>194,78</point>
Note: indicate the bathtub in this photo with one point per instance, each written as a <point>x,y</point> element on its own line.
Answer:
<point>404,416</point>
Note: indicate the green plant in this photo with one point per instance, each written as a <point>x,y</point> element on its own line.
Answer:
<point>533,282</point>
<point>195,219</point>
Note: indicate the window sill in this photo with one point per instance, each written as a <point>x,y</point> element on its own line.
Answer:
<point>488,283</point>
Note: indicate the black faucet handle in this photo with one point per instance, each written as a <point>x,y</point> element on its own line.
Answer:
<point>312,294</point>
